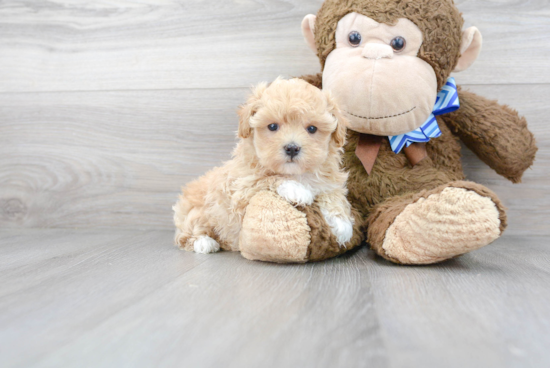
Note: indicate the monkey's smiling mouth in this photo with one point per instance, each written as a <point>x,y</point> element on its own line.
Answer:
<point>381,117</point>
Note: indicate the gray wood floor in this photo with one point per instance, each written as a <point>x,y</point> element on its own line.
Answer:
<point>128,299</point>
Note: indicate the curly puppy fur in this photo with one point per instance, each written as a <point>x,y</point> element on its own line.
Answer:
<point>211,209</point>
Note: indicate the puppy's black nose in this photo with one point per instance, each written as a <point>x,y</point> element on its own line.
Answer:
<point>292,150</point>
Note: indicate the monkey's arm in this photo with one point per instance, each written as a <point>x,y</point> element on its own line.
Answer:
<point>495,133</point>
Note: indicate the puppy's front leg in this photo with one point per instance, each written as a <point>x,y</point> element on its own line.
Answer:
<point>337,213</point>
<point>296,192</point>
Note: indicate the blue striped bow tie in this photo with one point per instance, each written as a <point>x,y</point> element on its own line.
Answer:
<point>446,102</point>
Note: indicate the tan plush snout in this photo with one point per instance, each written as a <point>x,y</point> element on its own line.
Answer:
<point>376,51</point>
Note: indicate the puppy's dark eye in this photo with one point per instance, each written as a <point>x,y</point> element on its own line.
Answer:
<point>312,129</point>
<point>398,43</point>
<point>354,38</point>
<point>273,127</point>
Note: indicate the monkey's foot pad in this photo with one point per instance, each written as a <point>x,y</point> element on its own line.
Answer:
<point>275,231</point>
<point>441,226</point>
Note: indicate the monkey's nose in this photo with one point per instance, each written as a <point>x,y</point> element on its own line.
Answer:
<point>377,51</point>
<point>292,150</point>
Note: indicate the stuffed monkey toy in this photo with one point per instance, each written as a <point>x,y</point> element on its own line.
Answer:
<point>388,63</point>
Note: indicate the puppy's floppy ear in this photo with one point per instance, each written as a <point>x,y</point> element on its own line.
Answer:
<point>247,111</point>
<point>339,135</point>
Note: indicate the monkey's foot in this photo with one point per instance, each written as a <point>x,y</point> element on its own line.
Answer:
<point>436,225</point>
<point>275,231</point>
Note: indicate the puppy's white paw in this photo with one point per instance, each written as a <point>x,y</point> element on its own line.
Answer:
<point>342,228</point>
<point>205,245</point>
<point>295,192</point>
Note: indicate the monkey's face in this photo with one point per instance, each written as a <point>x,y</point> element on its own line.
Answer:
<point>377,78</point>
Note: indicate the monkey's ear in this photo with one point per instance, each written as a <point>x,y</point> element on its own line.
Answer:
<point>247,111</point>
<point>469,48</point>
<point>339,135</point>
<point>308,30</point>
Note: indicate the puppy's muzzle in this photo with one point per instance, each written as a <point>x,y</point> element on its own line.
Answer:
<point>292,150</point>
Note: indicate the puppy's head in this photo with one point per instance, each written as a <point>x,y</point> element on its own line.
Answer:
<point>293,126</point>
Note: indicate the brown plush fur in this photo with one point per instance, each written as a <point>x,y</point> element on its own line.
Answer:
<point>393,175</point>
<point>323,244</point>
<point>496,133</point>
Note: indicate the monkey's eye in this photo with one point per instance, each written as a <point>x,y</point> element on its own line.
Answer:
<point>312,129</point>
<point>354,38</point>
<point>273,127</point>
<point>398,43</point>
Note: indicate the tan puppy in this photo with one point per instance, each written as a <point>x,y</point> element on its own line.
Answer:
<point>291,142</point>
